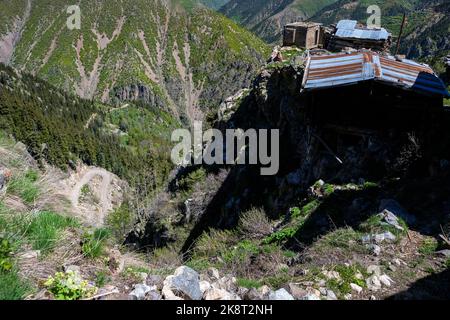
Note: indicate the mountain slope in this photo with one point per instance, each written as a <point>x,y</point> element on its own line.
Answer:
<point>427,29</point>
<point>162,55</point>
<point>266,18</point>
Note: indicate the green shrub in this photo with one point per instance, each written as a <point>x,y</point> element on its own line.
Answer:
<point>429,246</point>
<point>370,185</point>
<point>328,189</point>
<point>45,228</point>
<point>69,286</point>
<point>93,243</point>
<point>120,221</point>
<point>306,210</point>
<point>25,186</point>
<point>6,263</point>
<point>281,236</point>
<point>187,183</point>
<point>277,281</point>
<point>12,287</point>
<point>248,283</point>
<point>102,278</point>
<point>85,190</point>
<point>347,276</point>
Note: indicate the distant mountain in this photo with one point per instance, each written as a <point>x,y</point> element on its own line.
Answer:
<point>266,18</point>
<point>156,51</point>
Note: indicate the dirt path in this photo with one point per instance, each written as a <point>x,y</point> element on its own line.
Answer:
<point>104,191</point>
<point>94,115</point>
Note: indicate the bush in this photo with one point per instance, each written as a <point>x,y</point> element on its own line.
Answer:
<point>69,286</point>
<point>6,263</point>
<point>248,283</point>
<point>187,183</point>
<point>93,243</point>
<point>281,236</point>
<point>429,246</point>
<point>120,221</point>
<point>254,224</point>
<point>25,187</point>
<point>44,229</point>
<point>12,287</point>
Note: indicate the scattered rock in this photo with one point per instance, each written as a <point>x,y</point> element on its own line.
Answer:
<point>445,253</point>
<point>253,294</point>
<point>227,283</point>
<point>386,280</point>
<point>184,283</point>
<point>280,294</point>
<point>296,291</point>
<point>373,283</point>
<point>323,291</point>
<point>379,238</point>
<point>219,294</point>
<point>143,277</point>
<point>73,268</point>
<point>392,267</point>
<point>356,288</point>
<point>348,296</point>
<point>391,219</point>
<point>331,275</point>
<point>116,262</point>
<point>31,254</point>
<point>396,209</point>
<point>153,296</point>
<point>204,286</point>
<point>213,274</point>
<point>140,290</point>
<point>155,280</point>
<point>374,249</point>
<point>168,294</point>
<point>331,295</point>
<point>373,298</point>
<point>374,269</point>
<point>264,292</point>
<point>398,262</point>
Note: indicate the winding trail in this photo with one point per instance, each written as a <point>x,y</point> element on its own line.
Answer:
<point>105,198</point>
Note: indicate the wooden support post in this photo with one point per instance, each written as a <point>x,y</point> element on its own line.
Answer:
<point>400,34</point>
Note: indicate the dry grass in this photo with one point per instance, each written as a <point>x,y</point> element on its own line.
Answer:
<point>255,224</point>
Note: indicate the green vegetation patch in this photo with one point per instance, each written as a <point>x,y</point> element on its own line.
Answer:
<point>45,229</point>
<point>93,243</point>
<point>25,186</point>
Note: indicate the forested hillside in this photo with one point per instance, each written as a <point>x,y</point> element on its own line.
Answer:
<point>425,34</point>
<point>60,128</point>
<point>158,51</point>
<point>266,18</point>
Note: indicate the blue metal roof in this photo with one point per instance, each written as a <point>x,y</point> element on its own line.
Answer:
<point>346,69</point>
<point>349,29</point>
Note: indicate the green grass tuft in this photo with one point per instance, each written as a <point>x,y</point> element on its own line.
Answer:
<point>45,228</point>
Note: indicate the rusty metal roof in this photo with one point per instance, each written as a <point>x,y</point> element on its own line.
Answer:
<point>350,29</point>
<point>346,69</point>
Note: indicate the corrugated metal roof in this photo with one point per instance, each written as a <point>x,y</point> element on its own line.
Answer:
<point>346,69</point>
<point>349,29</point>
